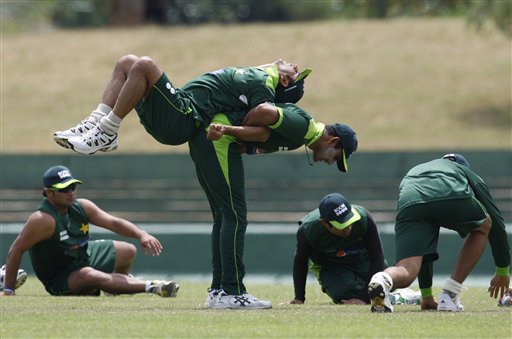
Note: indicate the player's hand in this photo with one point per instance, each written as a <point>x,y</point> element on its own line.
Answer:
<point>7,293</point>
<point>215,132</point>
<point>353,302</point>
<point>499,286</point>
<point>150,244</point>
<point>428,303</point>
<point>296,302</point>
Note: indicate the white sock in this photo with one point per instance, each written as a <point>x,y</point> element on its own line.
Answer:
<point>148,285</point>
<point>100,112</point>
<point>110,123</point>
<point>452,286</point>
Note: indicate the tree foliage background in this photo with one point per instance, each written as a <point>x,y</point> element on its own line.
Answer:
<point>23,15</point>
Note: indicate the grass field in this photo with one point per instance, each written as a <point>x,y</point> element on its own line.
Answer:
<point>35,314</point>
<point>404,84</point>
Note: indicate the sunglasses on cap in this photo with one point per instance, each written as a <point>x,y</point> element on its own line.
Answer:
<point>67,189</point>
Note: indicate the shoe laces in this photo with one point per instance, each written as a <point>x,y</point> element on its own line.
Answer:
<point>84,126</point>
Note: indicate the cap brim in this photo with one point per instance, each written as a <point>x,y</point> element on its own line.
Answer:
<point>355,217</point>
<point>342,162</point>
<point>303,75</point>
<point>65,184</point>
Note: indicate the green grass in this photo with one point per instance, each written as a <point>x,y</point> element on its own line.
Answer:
<point>33,313</point>
<point>402,84</point>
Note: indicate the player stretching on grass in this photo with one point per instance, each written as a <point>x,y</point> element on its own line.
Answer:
<point>220,170</point>
<point>442,193</point>
<point>173,115</point>
<point>63,258</point>
<point>343,244</point>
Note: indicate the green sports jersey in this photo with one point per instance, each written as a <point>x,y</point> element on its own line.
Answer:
<point>329,249</point>
<point>294,128</point>
<point>66,248</point>
<point>230,89</point>
<point>442,180</point>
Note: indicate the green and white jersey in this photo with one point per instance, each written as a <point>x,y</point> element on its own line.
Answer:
<point>294,129</point>
<point>67,247</point>
<point>442,179</point>
<point>231,89</point>
<point>329,249</point>
<point>436,180</point>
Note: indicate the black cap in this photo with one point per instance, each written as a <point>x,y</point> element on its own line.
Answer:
<point>58,177</point>
<point>459,159</point>
<point>336,209</point>
<point>348,143</point>
<point>294,92</point>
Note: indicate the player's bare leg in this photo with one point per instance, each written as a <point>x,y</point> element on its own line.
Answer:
<point>469,255</point>
<point>86,280</point>
<point>103,137</point>
<point>109,98</point>
<point>400,276</point>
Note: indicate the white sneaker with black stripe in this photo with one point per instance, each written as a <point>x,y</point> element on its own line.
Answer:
<point>445,303</point>
<point>165,289</point>
<point>239,302</point>
<point>62,137</point>
<point>213,294</point>
<point>93,141</point>
<point>379,293</point>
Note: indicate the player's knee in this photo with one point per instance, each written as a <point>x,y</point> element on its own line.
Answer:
<point>89,276</point>
<point>126,62</point>
<point>485,227</point>
<point>145,64</point>
<point>125,252</point>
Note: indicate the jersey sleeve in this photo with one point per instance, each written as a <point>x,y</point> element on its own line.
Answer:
<point>293,123</point>
<point>373,245</point>
<point>300,265</point>
<point>498,234</point>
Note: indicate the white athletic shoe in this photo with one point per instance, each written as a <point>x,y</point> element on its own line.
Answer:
<point>506,300</point>
<point>61,137</point>
<point>239,302</point>
<point>165,289</point>
<point>445,303</point>
<point>21,277</point>
<point>213,294</point>
<point>378,292</point>
<point>92,141</point>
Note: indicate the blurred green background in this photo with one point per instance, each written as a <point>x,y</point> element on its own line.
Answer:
<point>415,79</point>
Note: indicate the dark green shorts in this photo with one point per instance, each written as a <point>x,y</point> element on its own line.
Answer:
<point>166,114</point>
<point>417,226</point>
<point>345,282</point>
<point>102,256</point>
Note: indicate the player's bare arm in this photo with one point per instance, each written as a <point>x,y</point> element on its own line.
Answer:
<point>39,227</point>
<point>243,133</point>
<point>265,114</point>
<point>123,227</point>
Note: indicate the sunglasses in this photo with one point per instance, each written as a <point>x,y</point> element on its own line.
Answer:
<point>67,189</point>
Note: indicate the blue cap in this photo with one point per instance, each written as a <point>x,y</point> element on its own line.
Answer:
<point>348,143</point>
<point>459,159</point>
<point>336,209</point>
<point>58,177</point>
<point>294,92</point>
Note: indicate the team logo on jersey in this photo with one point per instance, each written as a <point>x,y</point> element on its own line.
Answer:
<point>340,209</point>
<point>243,99</point>
<point>170,88</point>
<point>84,228</point>
<point>64,235</point>
<point>354,251</point>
